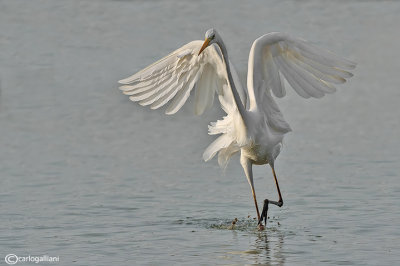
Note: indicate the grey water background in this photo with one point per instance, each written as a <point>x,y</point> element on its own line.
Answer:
<point>95,179</point>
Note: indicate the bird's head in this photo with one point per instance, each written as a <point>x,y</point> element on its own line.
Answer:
<point>210,38</point>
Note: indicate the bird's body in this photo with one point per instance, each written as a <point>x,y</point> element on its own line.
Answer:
<point>254,125</point>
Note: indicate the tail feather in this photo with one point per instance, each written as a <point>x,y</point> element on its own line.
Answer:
<point>225,154</point>
<point>231,127</point>
<point>227,144</point>
<point>221,142</point>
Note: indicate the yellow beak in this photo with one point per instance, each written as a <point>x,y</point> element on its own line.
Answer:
<point>205,44</point>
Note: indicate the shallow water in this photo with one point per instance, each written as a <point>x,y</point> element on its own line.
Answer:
<point>93,178</point>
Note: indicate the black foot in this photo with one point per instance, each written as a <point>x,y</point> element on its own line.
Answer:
<point>264,213</point>
<point>277,203</point>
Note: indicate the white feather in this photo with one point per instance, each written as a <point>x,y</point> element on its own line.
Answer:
<point>253,123</point>
<point>173,77</point>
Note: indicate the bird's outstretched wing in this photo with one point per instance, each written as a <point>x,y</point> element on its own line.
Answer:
<point>309,70</point>
<point>172,78</point>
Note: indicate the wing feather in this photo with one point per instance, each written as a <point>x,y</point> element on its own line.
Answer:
<point>273,77</point>
<point>204,94</point>
<point>309,70</point>
<point>183,94</point>
<point>333,71</point>
<point>172,78</point>
<point>310,80</point>
<point>317,73</point>
<point>324,57</point>
<point>170,93</point>
<point>288,73</point>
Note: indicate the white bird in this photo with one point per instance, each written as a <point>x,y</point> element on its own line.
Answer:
<point>254,125</point>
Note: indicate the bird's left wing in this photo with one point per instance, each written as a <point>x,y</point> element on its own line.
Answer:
<point>172,78</point>
<point>310,71</point>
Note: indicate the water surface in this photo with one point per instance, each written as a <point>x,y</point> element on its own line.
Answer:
<point>93,178</point>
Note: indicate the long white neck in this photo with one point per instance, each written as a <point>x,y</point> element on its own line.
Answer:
<point>236,96</point>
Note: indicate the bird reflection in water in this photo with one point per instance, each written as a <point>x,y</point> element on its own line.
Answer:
<point>270,247</point>
<point>266,248</point>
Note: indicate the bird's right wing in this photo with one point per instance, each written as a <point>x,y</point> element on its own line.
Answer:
<point>172,78</point>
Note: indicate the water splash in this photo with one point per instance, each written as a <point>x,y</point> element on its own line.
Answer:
<point>247,224</point>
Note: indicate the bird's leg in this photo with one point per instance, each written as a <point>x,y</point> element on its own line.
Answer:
<point>255,202</point>
<point>247,167</point>
<point>279,203</point>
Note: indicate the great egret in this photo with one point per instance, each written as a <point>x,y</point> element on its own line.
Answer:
<point>254,124</point>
